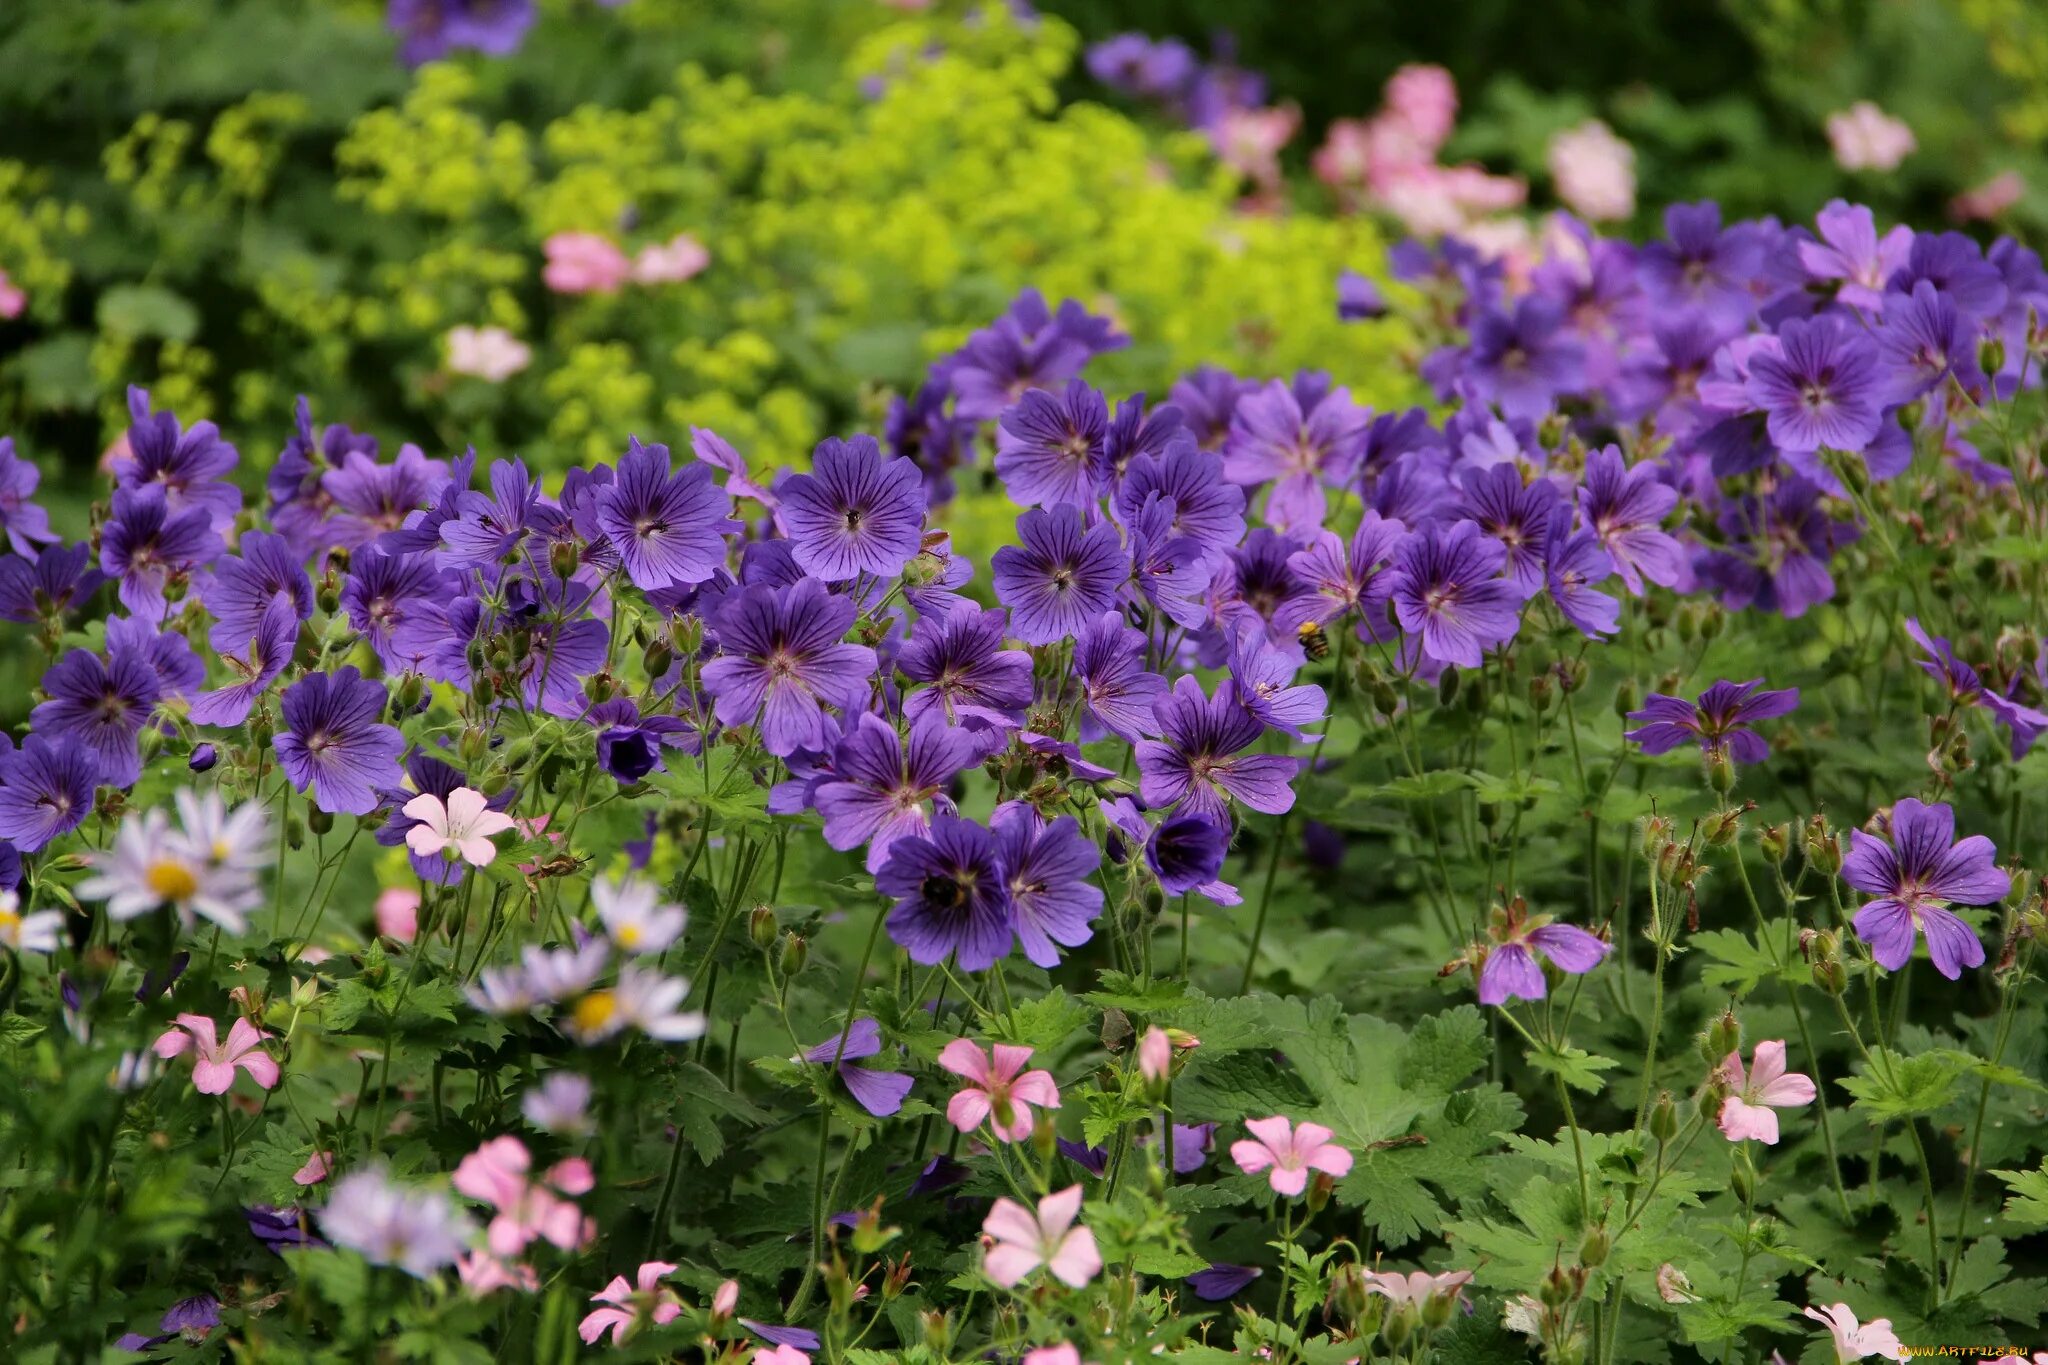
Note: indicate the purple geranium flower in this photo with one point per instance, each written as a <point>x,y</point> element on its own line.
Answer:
<point>1256,580</point>
<point>1134,432</point>
<point>1953,263</point>
<point>430,29</point>
<point>299,506</point>
<point>782,661</point>
<point>1047,867</point>
<point>1028,347</point>
<point>1515,512</point>
<point>369,500</point>
<point>1050,448</point>
<point>1222,1281</point>
<point>1850,250</point>
<point>1914,877</point>
<point>185,466</point>
<point>1777,551</point>
<point>1338,579</point>
<point>146,545</point>
<point>25,524</point>
<point>1117,691</point>
<point>1942,665</point>
<point>1924,343</point>
<point>856,512</point>
<point>46,789</point>
<point>1626,508</point>
<point>629,744</point>
<point>36,588</point>
<point>1201,759</point>
<point>1700,266</point>
<point>1447,591</point>
<point>489,528</point>
<point>334,743</point>
<point>385,591</point>
<point>969,676</point>
<point>282,1229</point>
<point>1572,566</point>
<point>104,705</point>
<point>951,896</point>
<point>1059,577</point>
<point>268,570</point>
<point>1186,853</point>
<point>1511,971</point>
<point>1522,359</point>
<point>879,1092</point>
<point>1358,298</point>
<point>1206,506</point>
<point>882,789</point>
<point>1207,398</point>
<point>668,527</point>
<point>1718,722</point>
<point>167,652</point>
<point>1298,437</point>
<point>257,663</point>
<point>1265,684</point>
<point>1821,387</point>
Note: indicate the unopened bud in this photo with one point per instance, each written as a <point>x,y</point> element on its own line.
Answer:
<point>294,832</point>
<point>1721,771</point>
<point>562,559</point>
<point>203,757</point>
<point>1991,354</point>
<point>1557,1288</point>
<point>1447,686</point>
<point>1627,697</point>
<point>1385,699</point>
<point>796,950</point>
<point>1593,1250</point>
<point>657,659</point>
<point>1722,1037</point>
<point>319,821</point>
<point>1319,1191</point>
<point>1664,1118</point>
<point>762,927</point>
<point>411,689</point>
<point>1823,846</point>
<point>1541,691</point>
<point>938,1333</point>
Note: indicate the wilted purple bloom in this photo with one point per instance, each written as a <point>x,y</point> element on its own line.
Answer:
<point>186,467</point>
<point>1626,508</point>
<point>1061,758</point>
<point>1516,512</point>
<point>299,506</point>
<point>257,663</point>
<point>1777,551</point>
<point>1117,691</point>
<point>244,587</point>
<point>629,744</point>
<point>856,512</point>
<point>34,588</point>
<point>1850,250</point>
<point>1511,970</point>
<point>384,591</point>
<point>1206,506</point>
<point>198,1314</point>
<point>1923,344</point>
<point>1820,389</point>
<point>882,789</point>
<point>802,1338</point>
<point>145,544</point>
<point>46,789</point>
<point>104,705</point>
<point>1047,867</point>
<point>1059,576</point>
<point>1222,1281</point>
<point>1298,437</point>
<point>1447,593</point>
<point>1718,722</point>
<point>1201,759</point>
<point>1265,684</point>
<point>782,661</point>
<point>1522,359</point>
<point>1049,448</point>
<point>1572,565</point>
<point>879,1092</point>
<point>668,527</point>
<point>1186,853</point>
<point>25,524</point>
<point>489,528</point>
<point>1358,298</point>
<point>1028,347</point>
<point>1954,264</point>
<point>1914,877</point>
<point>951,896</point>
<point>429,30</point>
<point>967,673</point>
<point>334,743</point>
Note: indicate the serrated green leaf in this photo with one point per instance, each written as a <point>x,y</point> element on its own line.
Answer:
<point>1575,1066</point>
<point>1899,1087</point>
<point>1045,1025</point>
<point>2027,1202</point>
<point>16,1029</point>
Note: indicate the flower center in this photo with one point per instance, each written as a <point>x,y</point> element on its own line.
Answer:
<point>596,1010</point>
<point>170,880</point>
<point>942,892</point>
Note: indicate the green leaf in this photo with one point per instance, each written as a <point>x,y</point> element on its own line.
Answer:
<point>1167,1263</point>
<point>147,310</point>
<point>1044,1025</point>
<point>1737,962</point>
<point>57,372</point>
<point>1121,991</point>
<point>2027,1204</point>
<point>701,1100</point>
<point>1903,1087</point>
<point>15,1029</point>
<point>1577,1067</point>
<point>1107,1112</point>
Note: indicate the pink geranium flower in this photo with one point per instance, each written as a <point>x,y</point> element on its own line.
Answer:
<point>1022,1241</point>
<point>998,1091</point>
<point>628,1306</point>
<point>462,826</point>
<point>1053,1355</point>
<point>496,1173</point>
<point>12,300</point>
<point>1853,1341</point>
<point>398,913</point>
<point>214,1062</point>
<point>482,1274</point>
<point>1750,1111</point>
<point>781,1354</point>
<point>584,263</point>
<point>318,1167</point>
<point>1155,1054</point>
<point>671,262</point>
<point>1290,1153</point>
<point>1417,1287</point>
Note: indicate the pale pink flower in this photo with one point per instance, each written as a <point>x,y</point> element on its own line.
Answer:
<point>1155,1054</point>
<point>318,1167</point>
<point>1989,199</point>
<point>496,1173</point>
<point>398,913</point>
<point>1595,172</point>
<point>1854,1341</point>
<point>1249,140</point>
<point>1417,1287</point>
<point>1053,1355</point>
<point>1424,98</point>
<point>779,1355</point>
<point>214,1062</point>
<point>628,1306</point>
<point>1866,138</point>
<point>465,823</point>
<point>584,263</point>
<point>12,300</point>
<point>1750,1111</point>
<point>1674,1285</point>
<point>1022,1241</point>
<point>999,1092</point>
<point>680,258</point>
<point>482,1274</point>
<point>1290,1153</point>
<point>725,1300</point>
<point>491,354</point>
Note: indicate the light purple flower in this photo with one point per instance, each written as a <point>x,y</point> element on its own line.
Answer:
<point>1914,877</point>
<point>1059,576</point>
<point>1447,592</point>
<point>146,545</point>
<point>881,1093</point>
<point>856,512</point>
<point>334,742</point>
<point>1265,685</point>
<point>1050,448</point>
<point>967,674</point>
<point>256,663</point>
<point>1117,691</point>
<point>782,661</point>
<point>1047,866</point>
<point>187,467</point>
<point>1572,565</point>
<point>26,524</point>
<point>1201,760</point>
<point>46,790</point>
<point>1511,970</point>
<point>1297,437</point>
<point>1626,508</point>
<point>668,527</point>
<point>268,570</point>
<point>882,789</point>
<point>1820,389</point>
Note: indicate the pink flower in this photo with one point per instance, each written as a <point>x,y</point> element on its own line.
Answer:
<point>679,259</point>
<point>1417,1287</point>
<point>584,263</point>
<point>1853,1342</point>
<point>491,354</point>
<point>12,300</point>
<point>1290,1152</point>
<point>1249,140</point>
<point>1424,100</point>
<point>1023,1241</point>
<point>495,1173</point>
<point>214,1063</point>
<point>1155,1054</point>
<point>630,1306</point>
<point>465,823</point>
<point>1595,171</point>
<point>398,913</point>
<point>1989,199</point>
<point>779,1355</point>
<point>1053,1355</point>
<point>482,1273</point>
<point>1866,138</point>
<point>1000,1093</point>
<point>725,1301</point>
<point>318,1167</point>
<point>1751,1110</point>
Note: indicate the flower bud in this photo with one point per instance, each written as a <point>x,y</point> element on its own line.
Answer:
<point>938,1333</point>
<point>657,658</point>
<point>149,743</point>
<point>294,833</point>
<point>412,689</point>
<point>1319,1191</point>
<point>1775,841</point>
<point>762,927</point>
<point>1627,697</point>
<point>1557,1288</point>
<point>1742,1176</point>
<point>483,690</point>
<point>1721,771</point>
<point>319,821</point>
<point>1593,1250</point>
<point>1664,1118</point>
<point>1385,699</point>
<point>1400,1326</point>
<point>1991,354</point>
<point>1438,1310</point>
<point>600,687</point>
<point>1823,847</point>
<point>1541,690</point>
<point>1722,1037</point>
<point>1044,1137</point>
<point>1447,686</point>
<point>328,598</point>
<point>1831,977</point>
<point>795,951</point>
<point>562,558</point>
<point>204,756</point>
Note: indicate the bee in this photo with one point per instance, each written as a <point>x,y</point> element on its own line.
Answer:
<point>1314,642</point>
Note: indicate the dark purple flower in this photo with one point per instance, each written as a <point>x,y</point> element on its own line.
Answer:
<point>184,466</point>
<point>1047,867</point>
<point>1923,344</point>
<point>967,673</point>
<point>1201,760</point>
<point>430,29</point>
<point>1061,759</point>
<point>1821,388</point>
<point>1954,264</point>
<point>879,1092</point>
<point>1914,877</point>
<point>145,545</point>
<point>1265,684</point>
<point>1222,1281</point>
<point>428,776</point>
<point>299,506</point>
<point>25,524</point>
<point>629,744</point>
<point>922,431</point>
<point>668,527</point>
<point>1511,970</point>
<point>46,789</point>
<point>1777,551</point>
<point>1572,565</point>
<point>1049,448</point>
<point>856,512</point>
<point>1094,1160</point>
<point>1718,722</point>
<point>1523,359</point>
<point>421,531</point>
<point>1186,853</point>
<point>1207,397</point>
<point>104,705</point>
<point>1255,583</point>
<point>167,652</point>
<point>1700,266</point>
<point>282,1229</point>
<point>202,759</point>
<point>1447,592</point>
<point>489,528</point>
<point>1028,347</point>
<point>369,500</point>
<point>951,896</point>
<point>1117,691</point>
<point>1206,506</point>
<point>1059,576</point>
<point>1516,512</point>
<point>1298,437</point>
<point>1134,432</point>
<point>1626,508</point>
<point>384,591</point>
<point>802,1338</point>
<point>1942,665</point>
<point>35,588</point>
<point>882,789</point>
<point>781,661</point>
<point>256,664</point>
<point>268,570</point>
<point>1169,572</point>
<point>334,743</point>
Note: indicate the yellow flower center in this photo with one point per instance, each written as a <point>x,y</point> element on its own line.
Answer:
<point>595,1010</point>
<point>170,880</point>
<point>629,935</point>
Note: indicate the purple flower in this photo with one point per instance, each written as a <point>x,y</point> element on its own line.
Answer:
<point>1572,565</point>
<point>282,1229</point>
<point>882,790</point>
<point>855,512</point>
<point>1336,579</point>
<point>951,896</point>
<point>1117,691</point>
<point>1522,360</point>
<point>1942,665</point>
<point>1516,513</point>
<point>1256,580</point>
<point>489,528</point>
<point>969,676</point>
<point>1700,266</point>
<point>26,524</point>
<point>1298,437</point>
<point>184,466</point>
<point>1047,866</point>
<point>1955,265</point>
<point>1201,760</point>
<point>370,500</point>
<point>1206,506</point>
<point>1914,877</point>
<point>1776,555</point>
<point>1049,448</point>
<point>430,29</point>
<point>781,662</point>
<point>46,789</point>
<point>103,705</point>
<point>257,664</point>
<point>879,1092</point>
<point>669,528</point>
<point>146,545</point>
<point>1265,684</point>
<point>1186,853</point>
<point>802,1338</point>
<point>167,652</point>
<point>1446,591</point>
<point>203,757</point>
<point>385,591</point>
<point>1134,432</point>
<point>36,588</point>
<point>1821,388</point>
<point>1511,971</point>
<point>333,742</point>
<point>1625,508</point>
<point>1207,398</point>
<point>1222,1281</point>
<point>1718,722</point>
<point>244,588</point>
<point>920,430</point>
<point>1028,347</point>
<point>1170,572</point>
<point>299,506</point>
<point>1849,250</point>
<point>629,744</point>
<point>1923,344</point>
<point>1059,577</point>
<point>1358,298</point>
